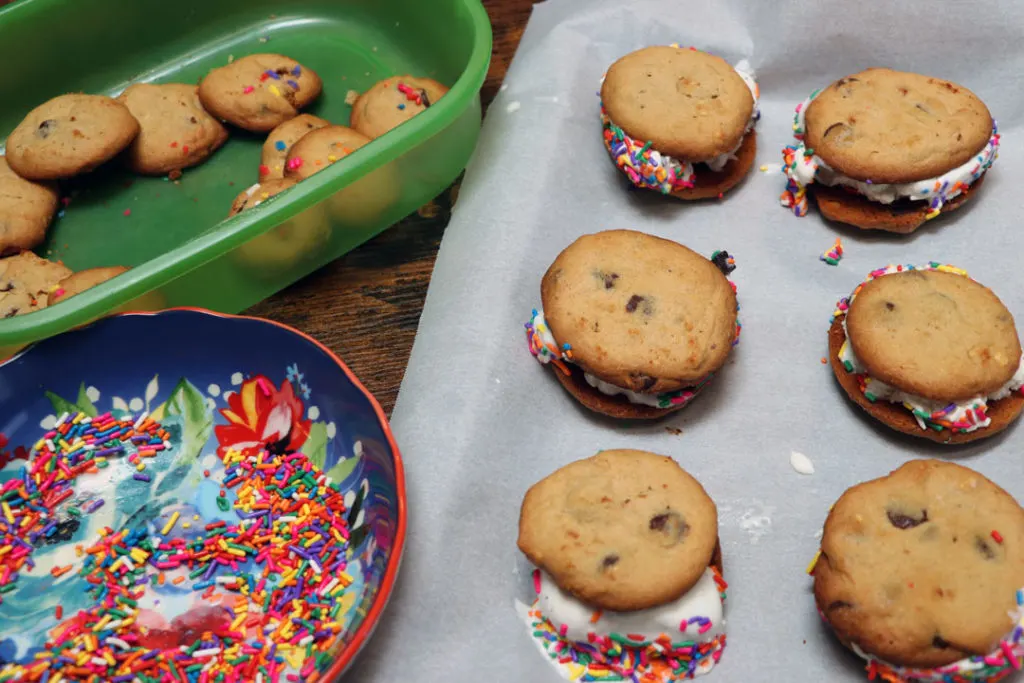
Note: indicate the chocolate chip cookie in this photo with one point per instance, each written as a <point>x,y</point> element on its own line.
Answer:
<point>281,247</point>
<point>921,568</point>
<point>26,281</point>
<point>70,135</point>
<point>259,92</point>
<point>320,148</point>
<point>888,150</point>
<point>26,210</point>
<point>76,283</point>
<point>176,132</point>
<point>634,325</point>
<point>622,530</point>
<point>929,352</point>
<point>392,102</point>
<point>280,141</point>
<point>680,121</point>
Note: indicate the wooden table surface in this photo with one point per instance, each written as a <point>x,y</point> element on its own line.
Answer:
<point>366,305</point>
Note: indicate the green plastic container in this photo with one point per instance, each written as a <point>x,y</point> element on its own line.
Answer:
<point>174,235</point>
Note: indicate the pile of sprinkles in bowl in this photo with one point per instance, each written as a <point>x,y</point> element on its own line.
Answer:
<point>282,568</point>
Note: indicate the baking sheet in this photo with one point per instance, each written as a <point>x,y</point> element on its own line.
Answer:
<point>479,420</point>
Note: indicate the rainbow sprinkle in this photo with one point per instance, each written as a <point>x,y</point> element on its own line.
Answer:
<point>279,573</point>
<point>834,255</point>
<point>645,166</point>
<point>618,657</point>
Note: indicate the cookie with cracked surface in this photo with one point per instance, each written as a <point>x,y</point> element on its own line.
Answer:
<point>280,141</point>
<point>26,209</point>
<point>929,352</point>
<point>689,104</point>
<point>622,530</point>
<point>680,121</point>
<point>921,568</point>
<point>392,102</point>
<point>936,334</point>
<point>176,132</point>
<point>644,318</point>
<point>26,281</point>
<point>70,135</point>
<point>259,92</point>
<point>895,127</point>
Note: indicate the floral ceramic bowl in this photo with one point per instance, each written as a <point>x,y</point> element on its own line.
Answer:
<point>202,388</point>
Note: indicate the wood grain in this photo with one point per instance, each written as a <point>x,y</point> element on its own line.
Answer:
<point>366,305</point>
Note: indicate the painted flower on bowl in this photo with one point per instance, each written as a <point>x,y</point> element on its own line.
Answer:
<point>261,415</point>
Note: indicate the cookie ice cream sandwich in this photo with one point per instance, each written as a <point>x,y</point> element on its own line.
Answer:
<point>929,352</point>
<point>633,325</point>
<point>888,150</point>
<point>629,570</point>
<point>921,572</point>
<point>680,121</point>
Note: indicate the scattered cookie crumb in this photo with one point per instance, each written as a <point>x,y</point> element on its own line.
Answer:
<point>350,97</point>
<point>429,210</point>
<point>834,255</point>
<point>513,106</point>
<point>264,39</point>
<point>231,58</point>
<point>824,361</point>
<point>675,431</point>
<point>801,463</point>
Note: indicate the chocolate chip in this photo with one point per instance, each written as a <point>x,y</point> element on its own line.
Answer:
<point>890,305</point>
<point>424,98</point>
<point>723,261</point>
<point>642,382</point>
<point>902,521</point>
<point>609,561</point>
<point>982,546</point>
<point>633,302</point>
<point>940,643</point>
<point>839,604</point>
<point>847,80</point>
<point>607,278</point>
<point>45,127</point>
<point>670,524</point>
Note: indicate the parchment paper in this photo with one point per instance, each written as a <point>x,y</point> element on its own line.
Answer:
<point>479,421</point>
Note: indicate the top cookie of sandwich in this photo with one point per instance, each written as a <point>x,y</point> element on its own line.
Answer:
<point>68,135</point>
<point>935,334</point>
<point>921,568</point>
<point>640,312</point>
<point>622,530</point>
<point>690,105</point>
<point>259,92</point>
<point>894,127</point>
